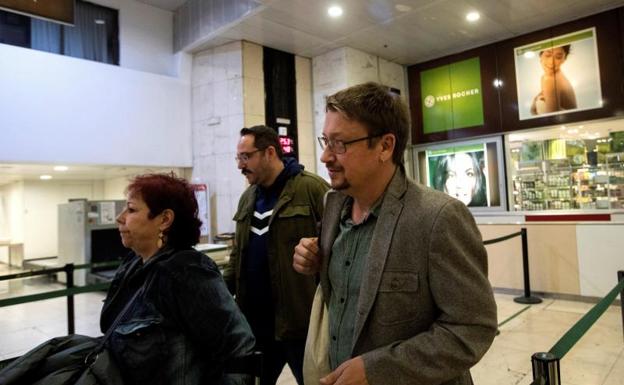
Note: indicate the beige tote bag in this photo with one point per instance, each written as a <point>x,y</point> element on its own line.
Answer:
<point>316,355</point>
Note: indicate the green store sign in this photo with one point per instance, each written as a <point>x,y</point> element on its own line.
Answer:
<point>451,96</point>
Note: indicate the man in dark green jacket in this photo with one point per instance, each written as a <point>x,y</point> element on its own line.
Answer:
<point>283,204</point>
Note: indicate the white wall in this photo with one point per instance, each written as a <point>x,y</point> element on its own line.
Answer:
<point>218,116</point>
<point>15,204</point>
<point>61,109</point>
<point>114,188</point>
<point>600,257</point>
<point>4,216</point>
<point>41,199</point>
<point>145,36</point>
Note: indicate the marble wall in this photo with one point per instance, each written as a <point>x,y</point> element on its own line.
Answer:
<point>218,115</point>
<point>306,137</point>
<point>345,67</point>
<point>253,84</point>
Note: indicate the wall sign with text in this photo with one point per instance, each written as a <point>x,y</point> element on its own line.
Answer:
<point>451,96</point>
<point>558,75</point>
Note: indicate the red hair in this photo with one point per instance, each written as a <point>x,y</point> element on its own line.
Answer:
<point>167,191</point>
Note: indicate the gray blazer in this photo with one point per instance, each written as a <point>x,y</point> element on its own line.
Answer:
<point>426,312</point>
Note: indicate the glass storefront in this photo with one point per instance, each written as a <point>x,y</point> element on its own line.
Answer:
<point>570,167</point>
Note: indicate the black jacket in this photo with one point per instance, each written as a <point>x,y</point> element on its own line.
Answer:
<point>182,329</point>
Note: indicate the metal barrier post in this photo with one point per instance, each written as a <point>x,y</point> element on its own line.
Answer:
<point>527,298</point>
<point>621,277</point>
<point>545,369</point>
<point>69,272</point>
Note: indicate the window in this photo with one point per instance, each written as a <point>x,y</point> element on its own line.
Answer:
<point>95,35</point>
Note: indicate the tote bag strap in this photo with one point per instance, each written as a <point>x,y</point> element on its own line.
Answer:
<point>91,356</point>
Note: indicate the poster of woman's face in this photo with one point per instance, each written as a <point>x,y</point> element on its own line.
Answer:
<point>558,75</point>
<point>461,175</point>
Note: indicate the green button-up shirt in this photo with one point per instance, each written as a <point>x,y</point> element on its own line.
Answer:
<point>349,254</point>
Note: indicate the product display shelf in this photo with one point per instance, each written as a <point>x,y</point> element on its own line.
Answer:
<point>601,186</point>
<point>615,167</point>
<point>543,185</point>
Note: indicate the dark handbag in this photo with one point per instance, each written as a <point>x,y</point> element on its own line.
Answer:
<point>70,360</point>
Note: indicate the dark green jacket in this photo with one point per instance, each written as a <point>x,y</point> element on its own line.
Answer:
<point>296,214</point>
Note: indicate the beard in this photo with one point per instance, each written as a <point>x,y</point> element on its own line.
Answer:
<point>341,183</point>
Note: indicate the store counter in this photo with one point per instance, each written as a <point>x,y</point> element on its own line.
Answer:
<point>573,253</point>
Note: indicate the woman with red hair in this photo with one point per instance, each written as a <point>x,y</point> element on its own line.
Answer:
<point>183,325</point>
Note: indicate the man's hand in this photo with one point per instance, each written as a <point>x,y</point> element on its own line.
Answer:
<point>351,372</point>
<point>307,259</point>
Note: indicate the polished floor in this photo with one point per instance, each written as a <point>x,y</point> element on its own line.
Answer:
<point>597,359</point>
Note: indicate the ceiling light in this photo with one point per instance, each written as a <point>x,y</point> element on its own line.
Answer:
<point>61,168</point>
<point>334,11</point>
<point>473,16</point>
<point>45,177</point>
<point>498,83</point>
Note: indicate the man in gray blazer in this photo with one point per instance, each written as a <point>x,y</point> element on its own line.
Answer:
<point>403,269</point>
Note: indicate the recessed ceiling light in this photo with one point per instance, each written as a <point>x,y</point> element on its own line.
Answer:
<point>498,83</point>
<point>473,16</point>
<point>335,11</point>
<point>61,168</point>
<point>45,177</point>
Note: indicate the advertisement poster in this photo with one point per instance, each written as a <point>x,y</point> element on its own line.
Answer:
<point>461,172</point>
<point>451,96</point>
<point>558,75</point>
<point>107,213</point>
<point>201,194</point>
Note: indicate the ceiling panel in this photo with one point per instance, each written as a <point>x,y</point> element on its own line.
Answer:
<point>168,5</point>
<point>274,35</point>
<point>310,18</point>
<point>405,31</point>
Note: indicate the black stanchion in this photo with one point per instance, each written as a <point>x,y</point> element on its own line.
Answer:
<point>545,369</point>
<point>620,278</point>
<point>527,298</point>
<point>69,272</point>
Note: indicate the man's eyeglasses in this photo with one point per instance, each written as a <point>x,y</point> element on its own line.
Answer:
<point>339,146</point>
<point>244,156</point>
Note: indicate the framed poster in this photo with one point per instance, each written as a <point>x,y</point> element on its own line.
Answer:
<point>201,194</point>
<point>459,171</point>
<point>558,75</point>
<point>470,171</point>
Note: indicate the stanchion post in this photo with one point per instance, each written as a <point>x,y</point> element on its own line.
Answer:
<point>546,369</point>
<point>527,298</point>
<point>620,278</point>
<point>69,272</point>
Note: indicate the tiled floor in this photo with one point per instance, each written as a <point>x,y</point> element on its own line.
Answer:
<point>597,359</point>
